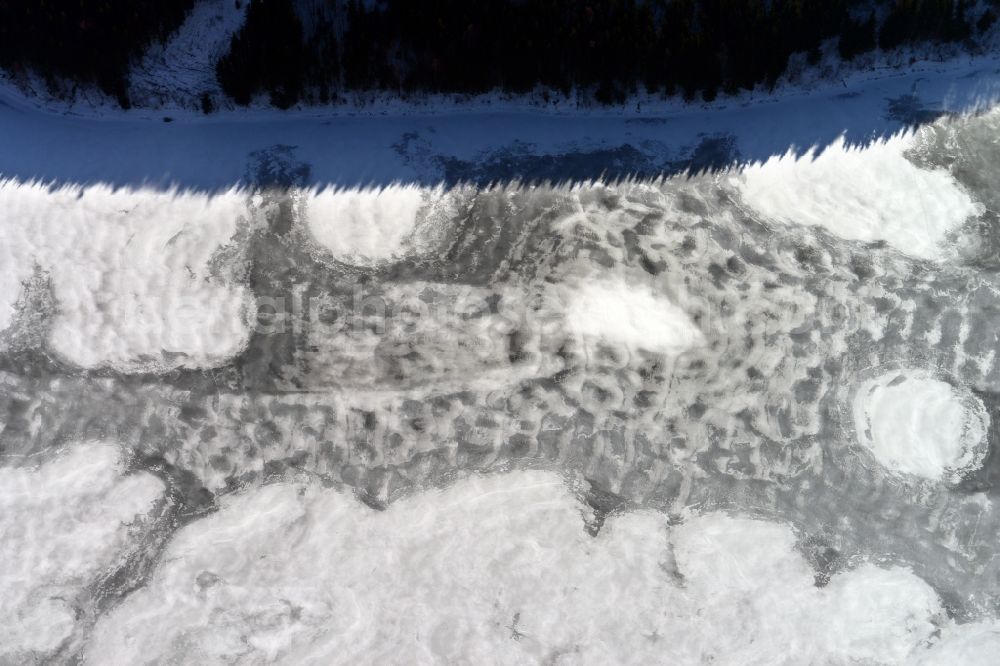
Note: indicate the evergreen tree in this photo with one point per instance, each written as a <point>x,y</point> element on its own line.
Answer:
<point>857,37</point>
<point>92,41</point>
<point>266,55</point>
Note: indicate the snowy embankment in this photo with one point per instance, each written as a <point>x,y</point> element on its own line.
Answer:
<point>182,70</point>
<point>177,77</point>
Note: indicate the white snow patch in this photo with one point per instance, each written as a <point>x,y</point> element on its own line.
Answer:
<point>869,194</point>
<point>747,577</point>
<point>916,424</point>
<point>62,524</point>
<point>500,570</point>
<point>973,644</point>
<point>366,226</point>
<point>129,270</point>
<point>631,315</point>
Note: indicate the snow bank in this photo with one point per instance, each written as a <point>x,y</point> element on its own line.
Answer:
<point>870,194</point>
<point>630,315</point>
<point>367,226</point>
<point>916,424</point>
<point>745,577</point>
<point>131,273</point>
<point>499,570</point>
<point>62,525</point>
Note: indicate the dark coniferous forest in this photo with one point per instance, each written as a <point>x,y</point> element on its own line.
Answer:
<point>610,48</point>
<point>91,41</point>
<point>315,51</point>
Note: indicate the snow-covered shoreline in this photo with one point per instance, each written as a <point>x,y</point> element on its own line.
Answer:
<point>439,144</point>
<point>28,91</point>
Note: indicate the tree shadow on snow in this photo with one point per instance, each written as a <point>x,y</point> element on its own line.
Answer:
<point>214,153</point>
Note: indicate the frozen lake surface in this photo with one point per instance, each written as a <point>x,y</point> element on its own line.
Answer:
<point>712,385</point>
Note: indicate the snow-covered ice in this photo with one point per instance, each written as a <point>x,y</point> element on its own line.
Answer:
<point>865,194</point>
<point>917,424</point>
<point>972,644</point>
<point>630,315</point>
<point>137,278</point>
<point>363,226</point>
<point>500,569</point>
<point>63,523</point>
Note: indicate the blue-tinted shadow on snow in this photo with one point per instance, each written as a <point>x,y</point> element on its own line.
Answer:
<point>215,153</point>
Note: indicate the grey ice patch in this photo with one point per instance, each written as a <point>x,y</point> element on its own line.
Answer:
<point>520,162</point>
<point>34,312</point>
<point>525,163</point>
<point>910,111</point>
<point>277,167</point>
